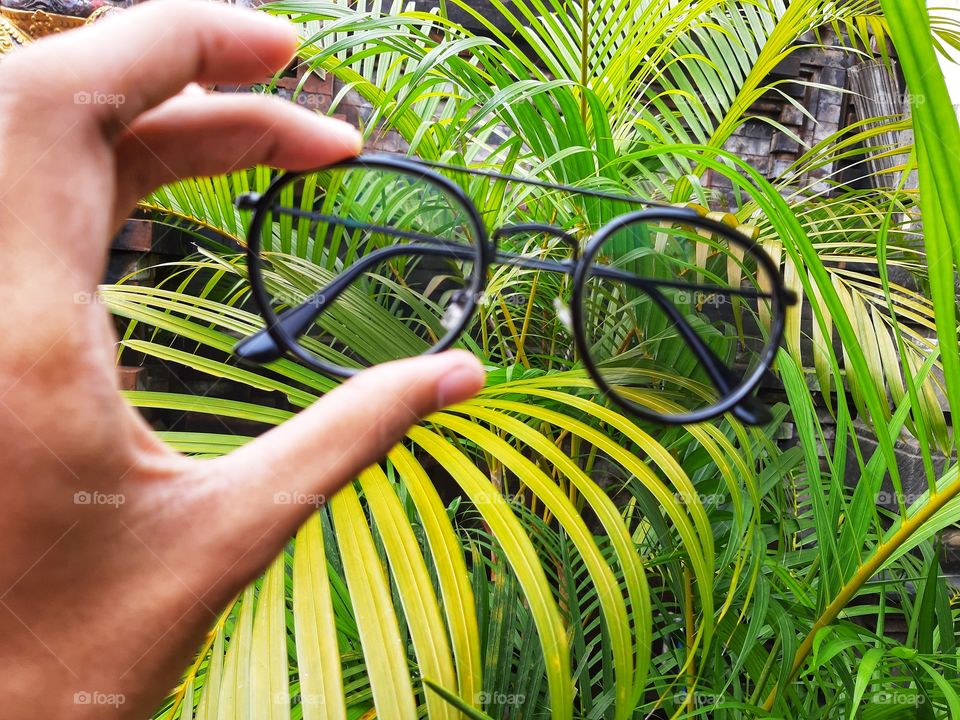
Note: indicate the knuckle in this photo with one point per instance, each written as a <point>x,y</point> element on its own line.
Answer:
<point>30,84</point>
<point>17,83</point>
<point>366,387</point>
<point>28,71</point>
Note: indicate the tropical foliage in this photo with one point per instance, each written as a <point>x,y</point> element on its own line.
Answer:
<point>534,552</point>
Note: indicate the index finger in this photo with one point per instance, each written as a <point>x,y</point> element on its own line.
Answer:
<point>144,55</point>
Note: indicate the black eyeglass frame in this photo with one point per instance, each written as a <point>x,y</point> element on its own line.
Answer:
<point>738,400</point>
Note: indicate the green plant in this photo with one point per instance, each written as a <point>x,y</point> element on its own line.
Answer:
<point>732,578</point>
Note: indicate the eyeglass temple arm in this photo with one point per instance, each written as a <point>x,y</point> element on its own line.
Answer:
<point>261,348</point>
<point>749,411</point>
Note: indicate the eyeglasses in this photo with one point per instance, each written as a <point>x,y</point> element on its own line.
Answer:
<point>676,317</point>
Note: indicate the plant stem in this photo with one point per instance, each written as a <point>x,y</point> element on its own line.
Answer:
<point>691,639</point>
<point>584,35</point>
<point>863,574</point>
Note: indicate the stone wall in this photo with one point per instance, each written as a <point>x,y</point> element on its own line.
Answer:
<point>772,151</point>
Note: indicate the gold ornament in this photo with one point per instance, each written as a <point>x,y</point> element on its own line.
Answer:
<point>39,23</point>
<point>11,36</point>
<point>20,27</point>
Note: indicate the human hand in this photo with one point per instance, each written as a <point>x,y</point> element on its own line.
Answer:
<point>113,598</point>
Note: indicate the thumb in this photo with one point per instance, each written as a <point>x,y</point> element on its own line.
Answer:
<point>355,425</point>
<point>267,488</point>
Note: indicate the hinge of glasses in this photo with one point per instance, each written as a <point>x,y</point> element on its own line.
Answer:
<point>247,201</point>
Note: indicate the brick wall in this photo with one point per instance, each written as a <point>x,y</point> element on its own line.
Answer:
<point>760,143</point>
<point>772,151</point>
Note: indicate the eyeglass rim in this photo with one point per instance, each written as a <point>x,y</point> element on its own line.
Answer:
<point>278,332</point>
<point>781,299</point>
<point>485,252</point>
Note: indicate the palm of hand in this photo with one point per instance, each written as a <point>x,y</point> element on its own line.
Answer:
<point>120,552</point>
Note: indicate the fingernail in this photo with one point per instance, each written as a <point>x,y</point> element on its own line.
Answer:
<point>194,90</point>
<point>329,131</point>
<point>460,383</point>
<point>354,137</point>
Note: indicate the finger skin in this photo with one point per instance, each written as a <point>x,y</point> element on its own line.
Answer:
<point>329,443</point>
<point>116,598</point>
<point>135,60</point>
<point>197,135</point>
<point>123,149</point>
<point>122,603</point>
